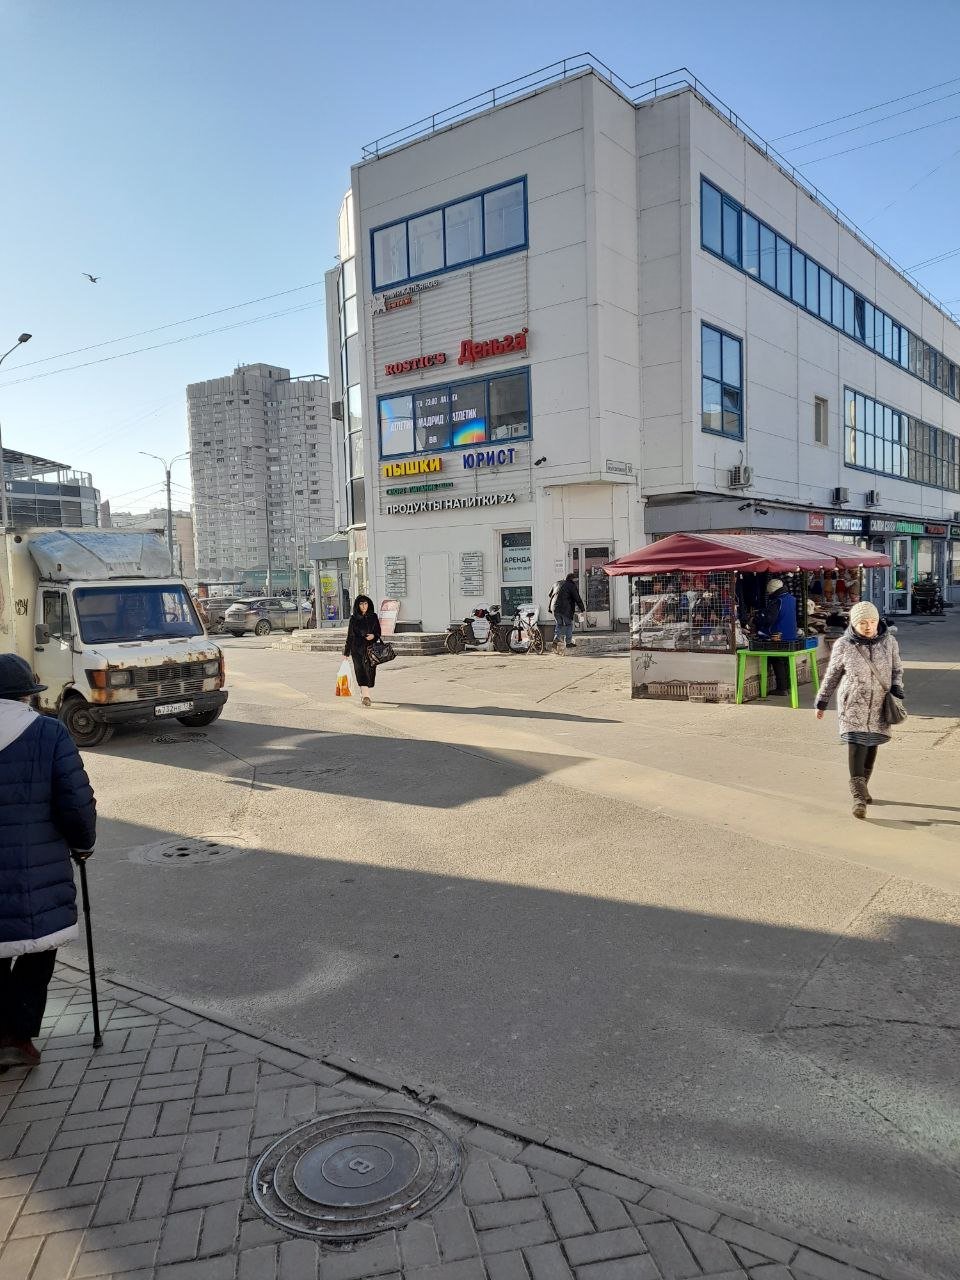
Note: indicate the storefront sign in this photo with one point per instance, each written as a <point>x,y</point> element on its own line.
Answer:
<point>847,524</point>
<point>619,468</point>
<point>878,525</point>
<point>816,520</point>
<point>395,298</point>
<point>955,531</point>
<point>909,526</point>
<point>450,504</point>
<point>420,488</point>
<point>418,362</point>
<point>488,458</point>
<point>471,352</point>
<point>411,467</point>
<point>516,558</point>
<point>936,530</point>
<point>395,575</point>
<point>471,573</point>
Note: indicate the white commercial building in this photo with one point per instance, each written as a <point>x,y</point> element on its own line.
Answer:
<point>581,319</point>
<point>262,474</point>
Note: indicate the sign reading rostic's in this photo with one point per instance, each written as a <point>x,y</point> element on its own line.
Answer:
<point>416,362</point>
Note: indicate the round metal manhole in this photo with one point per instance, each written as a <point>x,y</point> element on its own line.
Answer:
<point>189,851</point>
<point>355,1173</point>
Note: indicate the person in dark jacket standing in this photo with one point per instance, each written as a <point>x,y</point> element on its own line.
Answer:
<point>363,631</point>
<point>780,619</point>
<point>565,603</point>
<point>47,812</point>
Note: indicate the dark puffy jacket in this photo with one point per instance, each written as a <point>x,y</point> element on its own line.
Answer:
<point>46,809</point>
<point>567,600</point>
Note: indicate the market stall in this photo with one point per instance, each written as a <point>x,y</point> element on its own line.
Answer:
<point>697,600</point>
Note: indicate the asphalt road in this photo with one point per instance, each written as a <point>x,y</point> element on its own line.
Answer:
<point>652,927</point>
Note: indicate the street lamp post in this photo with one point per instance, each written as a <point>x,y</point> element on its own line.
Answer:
<point>24,337</point>
<point>166,469</point>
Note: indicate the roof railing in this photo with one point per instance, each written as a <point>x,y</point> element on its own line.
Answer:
<point>646,91</point>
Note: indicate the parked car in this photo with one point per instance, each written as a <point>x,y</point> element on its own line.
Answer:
<point>213,611</point>
<point>263,616</point>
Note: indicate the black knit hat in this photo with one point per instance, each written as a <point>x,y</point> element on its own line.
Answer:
<point>16,678</point>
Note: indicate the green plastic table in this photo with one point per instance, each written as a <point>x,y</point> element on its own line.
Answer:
<point>791,656</point>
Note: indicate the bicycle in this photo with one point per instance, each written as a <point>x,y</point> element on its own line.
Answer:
<point>525,635</point>
<point>481,630</point>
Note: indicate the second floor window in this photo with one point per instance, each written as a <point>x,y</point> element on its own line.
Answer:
<point>721,359</point>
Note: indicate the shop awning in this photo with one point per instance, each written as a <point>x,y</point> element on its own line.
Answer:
<point>743,552</point>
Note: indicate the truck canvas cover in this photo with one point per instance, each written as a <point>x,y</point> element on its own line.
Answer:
<point>63,555</point>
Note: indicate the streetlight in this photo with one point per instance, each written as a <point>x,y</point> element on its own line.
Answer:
<point>166,469</point>
<point>24,337</point>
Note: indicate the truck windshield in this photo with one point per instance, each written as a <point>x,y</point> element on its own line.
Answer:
<point>149,612</point>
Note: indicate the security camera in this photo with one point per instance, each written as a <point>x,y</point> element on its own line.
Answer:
<point>539,460</point>
<point>745,506</point>
<point>761,511</point>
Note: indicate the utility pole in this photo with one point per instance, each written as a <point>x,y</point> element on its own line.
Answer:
<point>266,511</point>
<point>24,337</point>
<point>167,466</point>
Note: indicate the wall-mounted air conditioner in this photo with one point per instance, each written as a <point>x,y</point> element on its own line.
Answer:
<point>740,477</point>
<point>872,498</point>
<point>840,495</point>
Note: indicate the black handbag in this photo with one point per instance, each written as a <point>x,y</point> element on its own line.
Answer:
<point>380,652</point>
<point>894,709</point>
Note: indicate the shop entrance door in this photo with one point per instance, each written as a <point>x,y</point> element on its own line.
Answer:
<point>435,592</point>
<point>587,563</point>
<point>901,575</point>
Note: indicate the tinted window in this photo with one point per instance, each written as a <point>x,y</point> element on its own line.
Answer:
<point>390,254</point>
<point>463,227</point>
<point>426,243</point>
<point>721,389</point>
<point>799,277</point>
<point>396,426</point>
<point>848,310</point>
<point>468,413</point>
<point>731,232</point>
<point>768,257</point>
<point>838,316</point>
<point>431,411</point>
<point>710,202</point>
<point>826,295</point>
<point>503,218</point>
<point>813,286</point>
<point>783,266</point>
<point>509,410</point>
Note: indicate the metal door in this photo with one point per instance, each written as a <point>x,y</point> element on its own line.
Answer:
<point>587,561</point>
<point>53,661</point>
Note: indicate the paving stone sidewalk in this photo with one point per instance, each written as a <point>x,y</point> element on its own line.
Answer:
<point>134,1162</point>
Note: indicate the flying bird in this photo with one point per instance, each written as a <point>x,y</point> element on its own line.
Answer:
<point>92,279</point>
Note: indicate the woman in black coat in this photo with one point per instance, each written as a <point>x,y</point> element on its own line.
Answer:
<point>47,811</point>
<point>363,631</point>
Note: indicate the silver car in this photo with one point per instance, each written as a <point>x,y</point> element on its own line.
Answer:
<point>263,616</point>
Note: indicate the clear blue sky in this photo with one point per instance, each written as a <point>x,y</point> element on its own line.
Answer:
<point>194,154</point>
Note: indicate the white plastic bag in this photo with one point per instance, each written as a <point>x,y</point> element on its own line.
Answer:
<point>345,679</point>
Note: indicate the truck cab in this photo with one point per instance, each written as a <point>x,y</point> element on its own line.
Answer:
<point>109,629</point>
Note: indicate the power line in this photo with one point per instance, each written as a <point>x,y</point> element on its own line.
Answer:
<point>916,184</point>
<point>143,333</point>
<point>870,123</point>
<point>172,342</point>
<point>904,133</point>
<point>932,262</point>
<point>849,115</point>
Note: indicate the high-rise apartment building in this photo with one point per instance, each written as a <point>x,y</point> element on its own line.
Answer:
<point>262,477</point>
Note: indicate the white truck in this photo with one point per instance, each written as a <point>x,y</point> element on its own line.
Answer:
<point>109,628</point>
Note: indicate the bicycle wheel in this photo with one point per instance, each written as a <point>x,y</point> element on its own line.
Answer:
<point>536,640</point>
<point>455,642</point>
<point>501,639</point>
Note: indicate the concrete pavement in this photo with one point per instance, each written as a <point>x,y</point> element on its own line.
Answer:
<point>653,928</point>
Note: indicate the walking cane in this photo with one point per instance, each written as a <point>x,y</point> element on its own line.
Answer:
<point>85,895</point>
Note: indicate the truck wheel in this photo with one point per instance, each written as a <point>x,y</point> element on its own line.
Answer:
<point>197,719</point>
<point>83,729</point>
<point>263,628</point>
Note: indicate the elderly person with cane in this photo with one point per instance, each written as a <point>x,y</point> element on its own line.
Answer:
<point>47,812</point>
<point>866,667</point>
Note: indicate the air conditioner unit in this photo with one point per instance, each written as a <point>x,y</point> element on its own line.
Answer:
<point>840,495</point>
<point>872,498</point>
<point>956,515</point>
<point>741,477</point>
<point>336,410</point>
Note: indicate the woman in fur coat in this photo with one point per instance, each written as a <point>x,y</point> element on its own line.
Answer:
<point>866,665</point>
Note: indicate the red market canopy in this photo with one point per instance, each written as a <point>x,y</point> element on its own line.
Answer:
<point>743,552</point>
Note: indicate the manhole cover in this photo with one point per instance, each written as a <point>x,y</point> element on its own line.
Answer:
<point>355,1173</point>
<point>189,851</point>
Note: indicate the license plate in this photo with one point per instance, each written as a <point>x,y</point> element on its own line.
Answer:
<point>173,709</point>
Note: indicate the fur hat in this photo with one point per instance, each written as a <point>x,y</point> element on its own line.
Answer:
<point>863,612</point>
<point>775,584</point>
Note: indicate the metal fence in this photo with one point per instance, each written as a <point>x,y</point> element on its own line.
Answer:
<point>684,612</point>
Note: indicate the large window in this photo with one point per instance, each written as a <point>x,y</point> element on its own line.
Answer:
<point>722,382</point>
<point>516,571</point>
<point>456,415</point>
<point>484,225</point>
<point>736,236</point>
<point>884,440</point>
